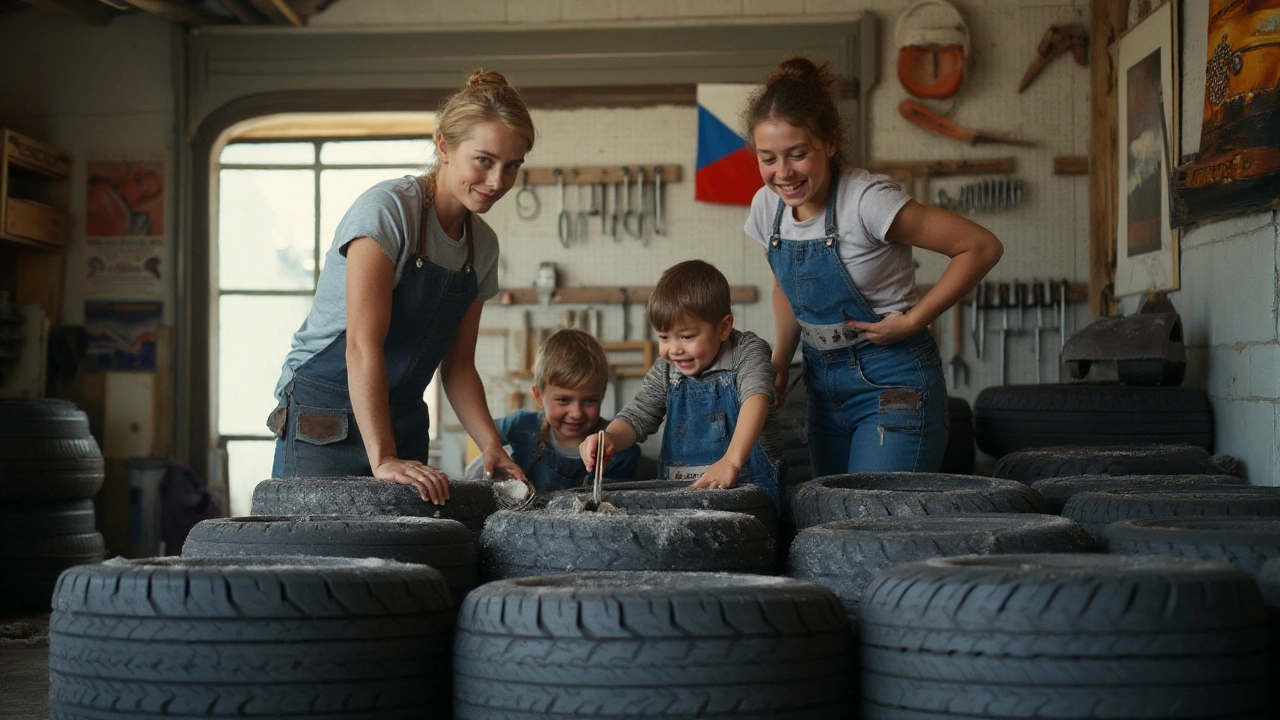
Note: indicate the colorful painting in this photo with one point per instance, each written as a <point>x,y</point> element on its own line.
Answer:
<point>1237,169</point>
<point>125,198</point>
<point>1146,243</point>
<point>122,335</point>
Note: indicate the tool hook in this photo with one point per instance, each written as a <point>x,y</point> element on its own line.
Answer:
<point>527,204</point>
<point>564,221</point>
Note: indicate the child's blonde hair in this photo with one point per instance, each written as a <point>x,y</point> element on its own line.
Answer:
<point>570,358</point>
<point>693,287</point>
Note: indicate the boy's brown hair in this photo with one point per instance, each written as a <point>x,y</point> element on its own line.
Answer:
<point>694,288</point>
<point>570,358</point>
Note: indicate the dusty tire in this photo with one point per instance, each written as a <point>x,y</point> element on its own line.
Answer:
<point>1246,543</point>
<point>654,645</point>
<point>470,501</point>
<point>251,637</point>
<point>859,495</point>
<point>445,545</point>
<point>843,556</point>
<point>33,562</point>
<point>550,542</point>
<point>1064,636</point>
<point>1015,417</point>
<point>959,455</point>
<point>672,495</point>
<point>47,452</point>
<point>1048,462</point>
<point>65,517</point>
<point>1056,491</point>
<point>1096,510</point>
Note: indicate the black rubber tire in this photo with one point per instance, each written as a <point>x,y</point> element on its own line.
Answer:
<point>1096,510</point>
<point>1269,584</point>
<point>446,545</point>
<point>47,452</point>
<point>1049,462</point>
<point>859,495</point>
<point>1247,543</point>
<point>654,645</point>
<point>32,563</point>
<point>1151,372</point>
<point>1064,636</point>
<point>674,495</point>
<point>959,455</point>
<point>470,501</point>
<point>549,542</point>
<point>1009,418</point>
<point>793,428</point>
<point>844,556</point>
<point>250,637</point>
<point>65,517</point>
<point>1056,491</point>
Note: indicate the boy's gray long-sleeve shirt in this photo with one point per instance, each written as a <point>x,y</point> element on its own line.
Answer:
<point>744,352</point>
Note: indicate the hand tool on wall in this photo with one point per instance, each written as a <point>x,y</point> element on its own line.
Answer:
<point>639,233</point>
<point>659,226</point>
<point>922,116</point>
<point>1057,40</point>
<point>973,319</point>
<point>628,214</point>
<point>527,204</point>
<point>982,292</point>
<point>1021,298</point>
<point>1039,292</point>
<point>617,210</point>
<point>992,195</point>
<point>564,221</point>
<point>1062,315</point>
<point>580,227</point>
<point>933,49</point>
<point>604,213</point>
<point>958,365</point>
<point>1002,302</point>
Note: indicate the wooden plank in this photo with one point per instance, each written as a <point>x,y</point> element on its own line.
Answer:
<point>26,220</point>
<point>972,166</point>
<point>611,174</point>
<point>289,13</point>
<point>34,155</point>
<point>1106,21</point>
<point>86,11</point>
<point>177,12</point>
<point>244,12</point>
<point>1071,165</point>
<point>609,295</point>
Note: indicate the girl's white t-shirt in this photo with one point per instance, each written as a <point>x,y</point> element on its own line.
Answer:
<point>866,204</point>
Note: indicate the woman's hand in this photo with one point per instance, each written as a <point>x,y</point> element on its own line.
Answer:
<point>894,327</point>
<point>588,449</point>
<point>783,370</point>
<point>430,483</point>
<point>721,476</point>
<point>499,464</point>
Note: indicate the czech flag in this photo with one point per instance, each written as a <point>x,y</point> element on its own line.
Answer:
<point>727,171</point>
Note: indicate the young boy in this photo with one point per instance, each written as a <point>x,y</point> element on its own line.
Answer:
<point>712,384</point>
<point>569,378</point>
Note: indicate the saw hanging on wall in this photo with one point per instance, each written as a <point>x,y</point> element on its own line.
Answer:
<point>933,49</point>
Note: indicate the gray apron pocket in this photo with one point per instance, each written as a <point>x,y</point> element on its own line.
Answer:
<point>321,426</point>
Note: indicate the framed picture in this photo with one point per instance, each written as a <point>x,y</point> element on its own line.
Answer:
<point>1147,89</point>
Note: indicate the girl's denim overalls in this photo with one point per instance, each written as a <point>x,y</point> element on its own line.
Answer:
<point>871,407</point>
<point>547,469</point>
<point>701,418</point>
<point>318,436</point>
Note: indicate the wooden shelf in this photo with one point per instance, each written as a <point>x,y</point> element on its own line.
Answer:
<point>34,183</point>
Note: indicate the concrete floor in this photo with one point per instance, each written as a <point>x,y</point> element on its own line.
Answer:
<point>24,675</point>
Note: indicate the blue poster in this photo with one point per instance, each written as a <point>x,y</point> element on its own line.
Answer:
<point>122,335</point>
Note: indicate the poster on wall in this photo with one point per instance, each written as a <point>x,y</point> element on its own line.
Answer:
<point>122,335</point>
<point>1238,167</point>
<point>1146,243</point>
<point>124,229</point>
<point>124,268</point>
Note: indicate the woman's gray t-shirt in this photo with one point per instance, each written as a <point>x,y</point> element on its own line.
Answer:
<point>866,205</point>
<point>390,213</point>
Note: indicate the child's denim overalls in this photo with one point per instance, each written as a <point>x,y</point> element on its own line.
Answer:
<point>549,470</point>
<point>871,407</point>
<point>319,436</point>
<point>701,418</point>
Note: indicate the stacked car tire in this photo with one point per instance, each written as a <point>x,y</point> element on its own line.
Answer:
<point>50,469</point>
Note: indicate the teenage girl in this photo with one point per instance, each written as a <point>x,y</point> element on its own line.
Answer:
<point>839,241</point>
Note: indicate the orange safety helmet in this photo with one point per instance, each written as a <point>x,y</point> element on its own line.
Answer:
<point>933,49</point>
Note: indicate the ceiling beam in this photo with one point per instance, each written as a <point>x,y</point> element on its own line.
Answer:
<point>86,11</point>
<point>286,9</point>
<point>178,12</point>
<point>279,12</point>
<point>244,12</point>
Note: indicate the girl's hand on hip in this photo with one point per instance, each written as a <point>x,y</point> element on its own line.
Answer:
<point>892,328</point>
<point>721,476</point>
<point>431,484</point>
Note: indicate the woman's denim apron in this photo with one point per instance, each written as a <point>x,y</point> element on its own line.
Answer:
<point>871,407</point>
<point>548,469</point>
<point>317,435</point>
<point>701,418</point>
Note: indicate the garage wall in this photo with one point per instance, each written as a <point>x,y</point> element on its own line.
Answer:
<point>1229,298</point>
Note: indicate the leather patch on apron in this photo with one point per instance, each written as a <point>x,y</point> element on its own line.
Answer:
<point>277,420</point>
<point>321,429</point>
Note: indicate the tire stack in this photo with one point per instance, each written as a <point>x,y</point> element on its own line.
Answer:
<point>51,469</point>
